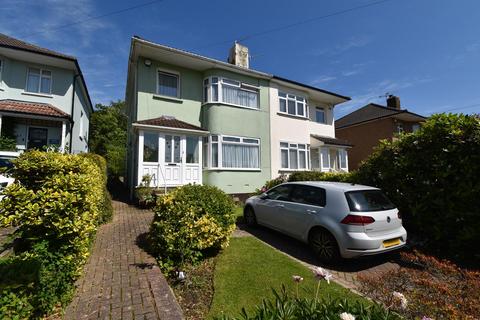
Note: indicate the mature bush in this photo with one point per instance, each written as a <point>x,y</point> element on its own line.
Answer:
<point>7,143</point>
<point>57,203</point>
<point>188,222</point>
<point>272,183</point>
<point>287,307</point>
<point>434,288</point>
<point>432,176</point>
<point>321,176</point>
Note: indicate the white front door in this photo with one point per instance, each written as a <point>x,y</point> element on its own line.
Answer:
<point>173,154</point>
<point>170,159</point>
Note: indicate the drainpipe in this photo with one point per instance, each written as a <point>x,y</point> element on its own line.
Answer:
<point>73,109</point>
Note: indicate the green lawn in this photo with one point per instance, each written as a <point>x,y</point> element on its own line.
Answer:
<point>247,270</point>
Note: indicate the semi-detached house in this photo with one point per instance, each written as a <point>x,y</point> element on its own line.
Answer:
<point>194,119</point>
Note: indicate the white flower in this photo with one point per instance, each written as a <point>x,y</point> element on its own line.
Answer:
<point>181,275</point>
<point>297,278</point>
<point>347,316</point>
<point>321,273</point>
<point>400,298</point>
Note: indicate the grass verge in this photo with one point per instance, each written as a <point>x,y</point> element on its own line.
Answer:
<point>248,269</point>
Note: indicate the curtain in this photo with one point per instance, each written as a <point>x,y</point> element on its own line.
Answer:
<point>240,97</point>
<point>167,84</point>
<point>240,156</point>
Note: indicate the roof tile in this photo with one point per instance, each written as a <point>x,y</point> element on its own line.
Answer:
<point>170,122</point>
<point>42,109</point>
<point>9,42</point>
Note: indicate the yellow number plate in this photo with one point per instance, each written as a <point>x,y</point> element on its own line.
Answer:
<point>391,243</point>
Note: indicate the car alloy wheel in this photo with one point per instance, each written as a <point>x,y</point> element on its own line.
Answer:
<point>325,246</point>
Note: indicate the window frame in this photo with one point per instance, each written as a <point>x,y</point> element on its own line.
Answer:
<point>285,96</point>
<point>218,141</point>
<point>295,146</point>
<point>208,83</point>
<point>170,73</point>
<point>317,109</point>
<point>289,186</point>
<point>40,76</point>
<point>301,186</point>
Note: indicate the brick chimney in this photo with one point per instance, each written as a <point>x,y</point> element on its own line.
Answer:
<point>393,102</point>
<point>238,55</point>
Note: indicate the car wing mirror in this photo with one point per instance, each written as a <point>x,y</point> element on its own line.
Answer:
<point>264,196</point>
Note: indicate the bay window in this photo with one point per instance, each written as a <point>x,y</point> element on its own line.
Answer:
<point>217,89</point>
<point>232,152</point>
<point>292,104</point>
<point>294,156</point>
<point>342,159</point>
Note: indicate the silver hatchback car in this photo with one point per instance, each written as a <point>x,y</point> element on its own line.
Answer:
<point>335,219</point>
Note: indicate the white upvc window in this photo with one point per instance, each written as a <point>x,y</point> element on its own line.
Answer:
<point>292,104</point>
<point>231,152</point>
<point>39,81</point>
<point>342,159</point>
<point>233,92</point>
<point>294,156</point>
<point>320,115</point>
<point>168,84</point>
<point>325,158</point>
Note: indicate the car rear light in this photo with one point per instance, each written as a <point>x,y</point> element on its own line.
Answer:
<point>357,220</point>
<point>399,215</point>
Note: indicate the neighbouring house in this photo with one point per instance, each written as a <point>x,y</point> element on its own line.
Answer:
<point>44,99</point>
<point>365,127</point>
<point>194,119</point>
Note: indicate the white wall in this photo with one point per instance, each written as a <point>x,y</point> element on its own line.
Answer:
<point>80,130</point>
<point>293,129</point>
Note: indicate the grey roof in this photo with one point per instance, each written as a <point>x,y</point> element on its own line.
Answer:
<point>333,141</point>
<point>9,42</point>
<point>370,112</point>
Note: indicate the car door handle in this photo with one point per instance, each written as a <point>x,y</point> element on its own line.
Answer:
<point>311,211</point>
<point>280,206</point>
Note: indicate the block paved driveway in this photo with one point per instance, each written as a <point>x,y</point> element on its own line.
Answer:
<point>120,280</point>
<point>345,273</point>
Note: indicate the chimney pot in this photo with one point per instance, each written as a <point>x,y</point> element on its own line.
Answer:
<point>238,55</point>
<point>393,102</point>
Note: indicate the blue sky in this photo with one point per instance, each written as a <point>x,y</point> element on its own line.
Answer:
<point>425,51</point>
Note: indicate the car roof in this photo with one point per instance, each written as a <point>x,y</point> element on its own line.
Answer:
<point>339,186</point>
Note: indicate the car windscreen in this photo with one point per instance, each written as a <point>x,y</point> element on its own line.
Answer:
<point>368,200</point>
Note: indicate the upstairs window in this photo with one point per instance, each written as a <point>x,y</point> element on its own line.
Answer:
<point>39,81</point>
<point>292,104</point>
<point>168,84</point>
<point>320,115</point>
<point>232,92</point>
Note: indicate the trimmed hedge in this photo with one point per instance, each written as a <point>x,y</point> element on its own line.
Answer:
<point>57,202</point>
<point>433,175</point>
<point>189,222</point>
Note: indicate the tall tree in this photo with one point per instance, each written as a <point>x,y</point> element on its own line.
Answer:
<point>108,135</point>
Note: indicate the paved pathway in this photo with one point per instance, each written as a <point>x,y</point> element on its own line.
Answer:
<point>121,281</point>
<point>345,273</point>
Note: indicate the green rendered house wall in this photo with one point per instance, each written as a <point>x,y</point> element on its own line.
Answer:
<point>217,118</point>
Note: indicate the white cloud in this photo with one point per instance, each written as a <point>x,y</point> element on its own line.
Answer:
<point>322,79</point>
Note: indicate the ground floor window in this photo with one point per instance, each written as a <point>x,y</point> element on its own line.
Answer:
<point>332,158</point>
<point>232,152</point>
<point>294,156</point>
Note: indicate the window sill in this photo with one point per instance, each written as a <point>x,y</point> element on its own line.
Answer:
<point>230,105</point>
<point>232,169</point>
<point>292,116</point>
<point>167,98</point>
<point>292,170</point>
<point>43,95</point>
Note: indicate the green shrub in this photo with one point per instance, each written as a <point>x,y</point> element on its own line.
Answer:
<point>7,143</point>
<point>286,307</point>
<point>57,203</point>
<point>433,175</point>
<point>321,176</point>
<point>190,221</point>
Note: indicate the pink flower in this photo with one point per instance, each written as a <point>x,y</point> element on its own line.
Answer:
<point>321,273</point>
<point>297,279</point>
<point>346,316</point>
<point>426,318</point>
<point>399,297</point>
